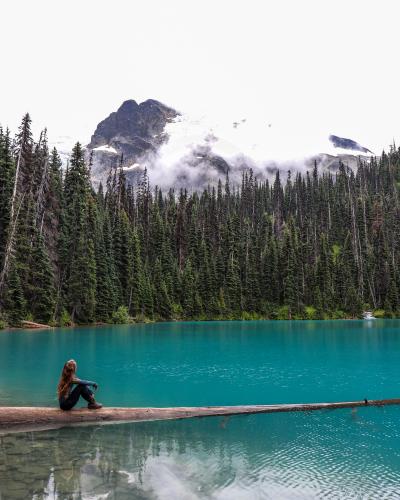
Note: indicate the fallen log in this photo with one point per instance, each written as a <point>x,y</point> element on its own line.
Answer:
<point>33,325</point>
<point>38,418</point>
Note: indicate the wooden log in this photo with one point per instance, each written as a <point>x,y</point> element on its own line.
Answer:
<point>33,325</point>
<point>35,418</point>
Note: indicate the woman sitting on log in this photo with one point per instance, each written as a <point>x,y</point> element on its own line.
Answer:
<point>67,396</point>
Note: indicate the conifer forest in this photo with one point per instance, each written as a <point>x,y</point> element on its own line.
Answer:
<point>310,245</point>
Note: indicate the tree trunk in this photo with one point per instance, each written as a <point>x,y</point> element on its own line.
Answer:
<point>35,418</point>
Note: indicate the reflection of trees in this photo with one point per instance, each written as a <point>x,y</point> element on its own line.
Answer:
<point>68,460</point>
<point>72,463</point>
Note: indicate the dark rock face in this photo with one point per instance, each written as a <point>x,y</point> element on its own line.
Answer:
<point>342,142</point>
<point>132,131</point>
<point>134,128</point>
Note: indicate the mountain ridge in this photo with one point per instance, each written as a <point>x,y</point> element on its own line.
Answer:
<point>181,152</point>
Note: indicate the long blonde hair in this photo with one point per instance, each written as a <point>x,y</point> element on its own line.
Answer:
<point>67,375</point>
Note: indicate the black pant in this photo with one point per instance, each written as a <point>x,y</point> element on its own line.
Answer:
<point>80,390</point>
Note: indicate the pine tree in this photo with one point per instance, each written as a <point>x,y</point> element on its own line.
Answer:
<point>14,301</point>
<point>41,283</point>
<point>77,245</point>
<point>232,291</point>
<point>7,173</point>
<point>162,302</point>
<point>137,291</point>
<point>20,194</point>
<point>188,299</point>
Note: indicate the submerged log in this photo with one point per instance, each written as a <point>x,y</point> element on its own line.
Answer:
<point>36,418</point>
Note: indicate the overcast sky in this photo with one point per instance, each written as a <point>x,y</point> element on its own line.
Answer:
<point>306,65</point>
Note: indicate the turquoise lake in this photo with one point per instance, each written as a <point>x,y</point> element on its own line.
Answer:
<point>326,454</point>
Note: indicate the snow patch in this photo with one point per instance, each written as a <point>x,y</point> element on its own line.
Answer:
<point>107,149</point>
<point>134,166</point>
<point>353,152</point>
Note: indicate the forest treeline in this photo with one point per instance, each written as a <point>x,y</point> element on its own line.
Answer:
<point>319,245</point>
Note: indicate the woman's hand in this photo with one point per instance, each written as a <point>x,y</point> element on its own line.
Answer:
<point>95,386</point>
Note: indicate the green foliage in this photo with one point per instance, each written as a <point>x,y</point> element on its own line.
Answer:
<point>379,313</point>
<point>177,311</point>
<point>121,316</point>
<point>250,316</point>
<point>65,319</point>
<point>283,312</point>
<point>310,312</point>
<point>336,249</point>
<point>338,315</point>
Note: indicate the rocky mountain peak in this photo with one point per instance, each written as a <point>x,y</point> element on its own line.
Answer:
<point>132,131</point>
<point>132,126</point>
<point>349,144</point>
<point>129,106</point>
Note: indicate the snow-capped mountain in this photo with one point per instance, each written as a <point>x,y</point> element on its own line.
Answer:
<point>183,151</point>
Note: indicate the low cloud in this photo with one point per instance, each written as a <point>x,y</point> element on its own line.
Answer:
<point>199,153</point>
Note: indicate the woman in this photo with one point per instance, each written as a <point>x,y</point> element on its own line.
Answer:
<point>67,396</point>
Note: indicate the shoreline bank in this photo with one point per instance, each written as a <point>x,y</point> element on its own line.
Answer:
<point>155,322</point>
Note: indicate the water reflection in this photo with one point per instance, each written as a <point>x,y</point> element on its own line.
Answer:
<point>320,455</point>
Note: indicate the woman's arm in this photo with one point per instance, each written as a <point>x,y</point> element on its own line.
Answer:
<point>84,382</point>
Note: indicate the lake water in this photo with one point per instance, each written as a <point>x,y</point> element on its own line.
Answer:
<point>327,454</point>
